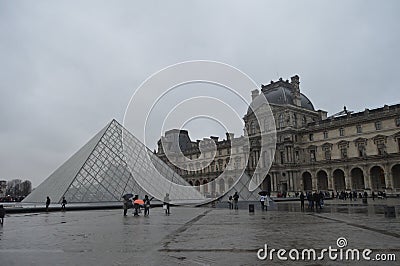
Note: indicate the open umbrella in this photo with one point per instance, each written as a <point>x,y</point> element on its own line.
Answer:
<point>263,193</point>
<point>127,196</point>
<point>139,201</point>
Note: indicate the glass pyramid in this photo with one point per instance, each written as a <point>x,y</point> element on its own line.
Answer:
<point>111,164</point>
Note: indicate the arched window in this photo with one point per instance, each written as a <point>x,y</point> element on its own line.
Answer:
<point>252,128</point>
<point>304,121</point>
<point>295,120</point>
<point>280,121</point>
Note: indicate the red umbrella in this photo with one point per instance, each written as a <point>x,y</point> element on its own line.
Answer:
<point>139,201</point>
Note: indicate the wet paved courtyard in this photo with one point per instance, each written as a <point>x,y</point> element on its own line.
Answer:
<point>196,236</point>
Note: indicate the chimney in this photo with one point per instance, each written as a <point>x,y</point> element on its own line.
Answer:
<point>295,81</point>
<point>254,94</point>
<point>214,138</point>
<point>229,136</point>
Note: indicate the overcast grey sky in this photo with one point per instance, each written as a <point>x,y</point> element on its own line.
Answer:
<point>69,67</point>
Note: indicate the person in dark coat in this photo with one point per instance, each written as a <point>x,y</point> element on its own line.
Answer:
<point>302,201</point>
<point>236,200</point>
<point>125,205</point>
<point>64,201</point>
<point>310,201</point>
<point>321,199</point>
<point>147,205</point>
<point>47,203</point>
<point>316,200</point>
<point>2,214</point>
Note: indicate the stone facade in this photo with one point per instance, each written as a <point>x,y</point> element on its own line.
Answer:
<point>199,171</point>
<point>347,151</point>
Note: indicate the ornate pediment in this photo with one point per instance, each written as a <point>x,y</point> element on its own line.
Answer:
<point>327,146</point>
<point>343,144</point>
<point>312,147</point>
<point>360,140</point>
<point>396,136</point>
<point>379,138</point>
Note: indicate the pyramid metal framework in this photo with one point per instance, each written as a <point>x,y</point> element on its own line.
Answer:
<point>114,163</point>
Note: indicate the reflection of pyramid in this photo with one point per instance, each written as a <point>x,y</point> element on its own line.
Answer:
<point>99,172</point>
<point>242,188</point>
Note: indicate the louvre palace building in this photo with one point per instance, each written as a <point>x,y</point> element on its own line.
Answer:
<point>347,151</point>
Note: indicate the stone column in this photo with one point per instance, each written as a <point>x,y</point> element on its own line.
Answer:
<point>273,182</point>
<point>314,180</point>
<point>294,185</point>
<point>347,179</point>
<point>367,177</point>
<point>388,177</point>
<point>330,179</point>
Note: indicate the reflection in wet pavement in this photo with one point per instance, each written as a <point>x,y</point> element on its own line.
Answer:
<point>339,206</point>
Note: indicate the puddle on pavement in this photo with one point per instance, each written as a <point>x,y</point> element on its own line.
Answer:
<point>359,209</point>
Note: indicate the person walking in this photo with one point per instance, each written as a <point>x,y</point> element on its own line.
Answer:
<point>64,201</point>
<point>267,201</point>
<point>147,205</point>
<point>302,201</point>
<point>125,205</point>
<point>309,199</point>
<point>262,201</point>
<point>321,200</point>
<point>166,204</point>
<point>373,195</point>
<point>2,214</point>
<point>230,200</point>
<point>47,203</point>
<point>236,200</point>
<point>316,200</point>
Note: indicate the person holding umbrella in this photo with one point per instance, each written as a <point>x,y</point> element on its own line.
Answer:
<point>136,205</point>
